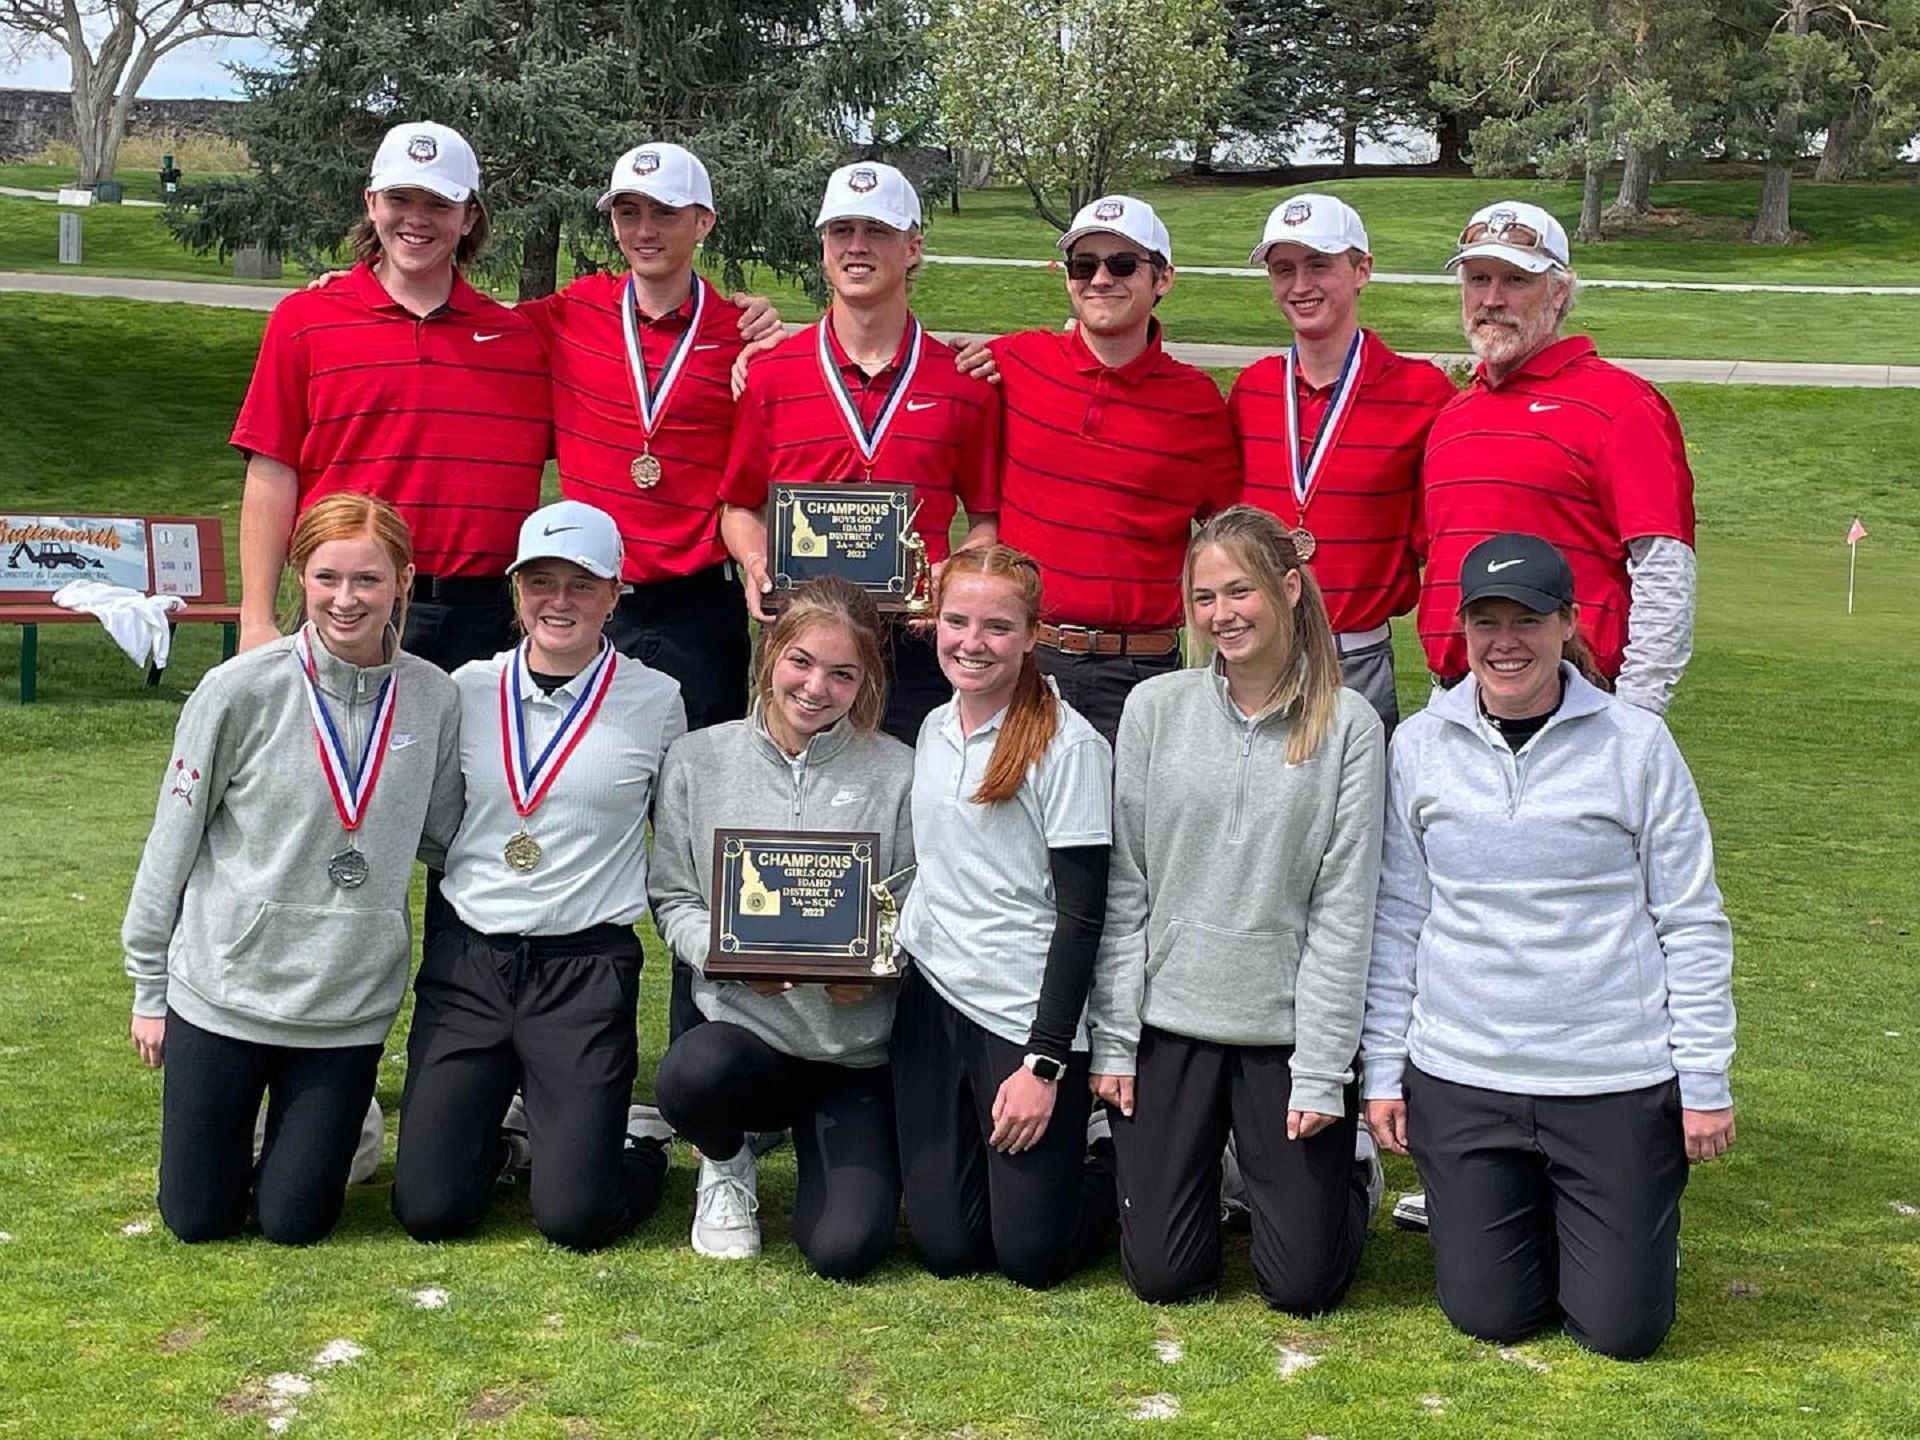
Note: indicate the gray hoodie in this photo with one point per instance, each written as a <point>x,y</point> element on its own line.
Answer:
<point>1239,908</point>
<point>233,921</point>
<point>734,775</point>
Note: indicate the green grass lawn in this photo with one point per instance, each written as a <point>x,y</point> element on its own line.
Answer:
<point>1855,234</point>
<point>1797,1294</point>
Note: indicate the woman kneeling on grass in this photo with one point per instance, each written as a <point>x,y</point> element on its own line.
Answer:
<point>1012,800</point>
<point>1239,921</point>
<point>534,979</point>
<point>267,931</point>
<point>1550,1008</point>
<point>775,1056</point>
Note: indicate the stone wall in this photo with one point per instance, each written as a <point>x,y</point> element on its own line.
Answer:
<point>32,119</point>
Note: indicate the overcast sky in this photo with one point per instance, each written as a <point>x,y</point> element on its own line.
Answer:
<point>193,71</point>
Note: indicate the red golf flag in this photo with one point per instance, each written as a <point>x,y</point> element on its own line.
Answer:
<point>1857,533</point>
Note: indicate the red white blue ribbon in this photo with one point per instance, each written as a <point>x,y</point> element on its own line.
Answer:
<point>868,439</point>
<point>352,784</point>
<point>1307,469</point>
<point>529,779</point>
<point>650,398</point>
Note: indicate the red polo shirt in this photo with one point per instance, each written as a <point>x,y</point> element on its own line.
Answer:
<point>670,529</point>
<point>1104,472</point>
<point>1364,505</point>
<point>1569,448</point>
<point>446,417</point>
<point>944,439</point>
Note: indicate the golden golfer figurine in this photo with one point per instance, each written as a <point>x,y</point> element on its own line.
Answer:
<point>807,544</point>
<point>919,571</point>
<point>886,946</point>
<point>755,898</point>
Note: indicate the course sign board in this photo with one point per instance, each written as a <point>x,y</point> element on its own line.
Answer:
<point>39,553</point>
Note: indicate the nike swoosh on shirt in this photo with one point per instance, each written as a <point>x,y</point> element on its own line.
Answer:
<point>706,347</point>
<point>1497,565</point>
<point>914,406</point>
<point>847,797</point>
<point>1538,409</point>
<point>401,742</point>
<point>480,339</point>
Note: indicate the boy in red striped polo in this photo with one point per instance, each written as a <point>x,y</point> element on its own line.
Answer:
<point>1112,450</point>
<point>1332,432</point>
<point>643,411</point>
<point>1552,440</point>
<point>403,382</point>
<point>866,395</point>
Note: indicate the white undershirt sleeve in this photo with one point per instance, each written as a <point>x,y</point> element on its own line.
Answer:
<point>1661,572</point>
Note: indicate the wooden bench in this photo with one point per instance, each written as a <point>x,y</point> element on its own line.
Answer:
<point>182,555</point>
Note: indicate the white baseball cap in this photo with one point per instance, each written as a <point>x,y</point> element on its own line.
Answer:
<point>1125,216</point>
<point>671,174</point>
<point>572,530</point>
<point>869,190</point>
<point>1501,235</point>
<point>427,156</point>
<point>1320,222</point>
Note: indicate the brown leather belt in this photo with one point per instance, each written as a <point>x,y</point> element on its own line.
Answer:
<point>1079,640</point>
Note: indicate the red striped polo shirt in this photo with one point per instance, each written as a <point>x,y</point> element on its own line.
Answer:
<point>1363,509</point>
<point>669,529</point>
<point>446,417</point>
<point>944,440</point>
<point>1572,449</point>
<point>1104,471</point>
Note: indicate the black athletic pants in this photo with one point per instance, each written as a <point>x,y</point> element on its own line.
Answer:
<point>1098,685</point>
<point>210,1096</point>
<point>1308,1198</point>
<point>916,686</point>
<point>720,1080</point>
<point>694,629</point>
<point>554,1017</point>
<point>1037,1216</point>
<point>471,619</point>
<point>1551,1209</point>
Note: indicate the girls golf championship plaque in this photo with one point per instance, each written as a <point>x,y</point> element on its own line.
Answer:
<point>799,905</point>
<point>861,532</point>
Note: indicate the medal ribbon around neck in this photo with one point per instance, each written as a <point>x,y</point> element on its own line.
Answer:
<point>651,400</point>
<point>1306,471</point>
<point>869,440</point>
<point>352,785</point>
<point>528,783</point>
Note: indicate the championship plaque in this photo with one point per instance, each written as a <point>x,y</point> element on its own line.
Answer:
<point>800,905</point>
<point>862,533</point>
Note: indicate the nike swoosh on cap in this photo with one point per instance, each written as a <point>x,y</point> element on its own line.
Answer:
<point>558,529</point>
<point>1497,565</point>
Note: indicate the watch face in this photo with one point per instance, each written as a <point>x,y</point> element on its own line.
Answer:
<point>1045,1067</point>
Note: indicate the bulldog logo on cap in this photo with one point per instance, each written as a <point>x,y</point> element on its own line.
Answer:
<point>423,149</point>
<point>1109,210</point>
<point>862,180</point>
<point>645,163</point>
<point>1500,219</point>
<point>1298,212</point>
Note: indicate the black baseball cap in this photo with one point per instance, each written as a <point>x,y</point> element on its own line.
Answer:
<point>1517,567</point>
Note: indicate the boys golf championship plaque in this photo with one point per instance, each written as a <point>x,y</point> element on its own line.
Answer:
<point>863,533</point>
<point>799,905</point>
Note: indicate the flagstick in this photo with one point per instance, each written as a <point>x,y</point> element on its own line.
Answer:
<point>1853,554</point>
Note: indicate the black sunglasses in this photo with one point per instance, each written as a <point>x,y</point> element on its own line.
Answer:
<point>1119,265</point>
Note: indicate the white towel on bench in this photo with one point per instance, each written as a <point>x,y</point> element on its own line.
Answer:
<point>137,623</point>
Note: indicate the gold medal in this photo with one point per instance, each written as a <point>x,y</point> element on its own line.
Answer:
<point>1303,542</point>
<point>645,470</point>
<point>523,852</point>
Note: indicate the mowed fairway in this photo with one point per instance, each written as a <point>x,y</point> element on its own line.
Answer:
<point>1802,1249</point>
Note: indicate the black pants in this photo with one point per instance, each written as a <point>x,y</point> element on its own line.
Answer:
<point>695,630</point>
<point>449,633</point>
<point>915,685</point>
<point>555,1018</point>
<point>1308,1198</point>
<point>1037,1216</point>
<point>1370,671</point>
<point>719,1081</point>
<point>1098,685</point>
<point>1551,1209</point>
<point>210,1095</point>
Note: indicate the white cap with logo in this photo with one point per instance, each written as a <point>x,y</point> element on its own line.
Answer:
<point>574,531</point>
<point>1324,223</point>
<point>1124,216</point>
<point>869,190</point>
<point>1518,233</point>
<point>671,174</point>
<point>426,156</point>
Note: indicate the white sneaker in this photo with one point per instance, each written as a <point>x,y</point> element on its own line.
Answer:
<point>1366,1155</point>
<point>1233,1189</point>
<point>1410,1211</point>
<point>725,1206</point>
<point>1099,1126</point>
<point>513,1130</point>
<point>645,1124</point>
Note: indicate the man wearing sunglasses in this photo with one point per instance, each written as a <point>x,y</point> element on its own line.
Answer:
<point>1112,450</point>
<point>1331,432</point>
<point>1551,439</point>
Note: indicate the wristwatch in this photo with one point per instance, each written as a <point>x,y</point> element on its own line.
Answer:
<point>1045,1067</point>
